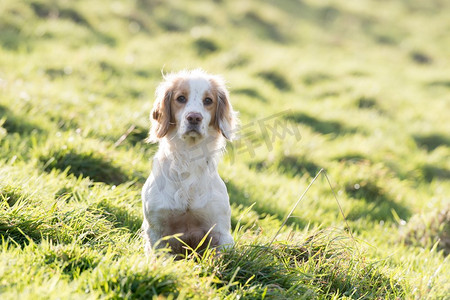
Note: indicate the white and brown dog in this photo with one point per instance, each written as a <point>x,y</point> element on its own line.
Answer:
<point>191,119</point>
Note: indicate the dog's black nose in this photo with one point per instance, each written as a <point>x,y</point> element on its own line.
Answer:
<point>194,118</point>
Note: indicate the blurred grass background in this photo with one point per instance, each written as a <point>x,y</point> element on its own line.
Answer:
<point>367,84</point>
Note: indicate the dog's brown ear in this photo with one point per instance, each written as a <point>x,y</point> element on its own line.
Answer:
<point>160,114</point>
<point>226,117</point>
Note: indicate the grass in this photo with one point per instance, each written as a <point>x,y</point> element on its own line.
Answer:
<point>362,90</point>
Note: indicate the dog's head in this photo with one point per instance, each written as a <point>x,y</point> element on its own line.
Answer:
<point>192,105</point>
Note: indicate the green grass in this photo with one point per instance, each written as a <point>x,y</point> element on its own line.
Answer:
<point>365,84</point>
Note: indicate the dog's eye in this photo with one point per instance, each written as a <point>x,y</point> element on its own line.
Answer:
<point>207,101</point>
<point>181,99</point>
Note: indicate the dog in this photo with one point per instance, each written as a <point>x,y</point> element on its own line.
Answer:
<point>184,199</point>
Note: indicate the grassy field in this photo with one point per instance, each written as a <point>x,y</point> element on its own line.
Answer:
<point>359,88</point>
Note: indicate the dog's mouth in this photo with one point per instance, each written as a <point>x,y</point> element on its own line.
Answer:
<point>193,131</point>
<point>192,134</point>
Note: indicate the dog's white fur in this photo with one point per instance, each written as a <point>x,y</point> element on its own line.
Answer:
<point>184,193</point>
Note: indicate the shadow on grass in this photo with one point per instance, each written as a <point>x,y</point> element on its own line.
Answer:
<point>120,216</point>
<point>128,283</point>
<point>250,92</point>
<point>431,172</point>
<point>45,10</point>
<point>205,46</point>
<point>366,102</point>
<point>11,194</point>
<point>27,221</point>
<point>137,136</point>
<point>352,157</point>
<point>257,273</point>
<point>432,141</point>
<point>86,165</point>
<point>65,122</point>
<point>439,83</point>
<point>275,78</point>
<point>429,230</point>
<point>291,165</point>
<point>374,203</point>
<point>15,124</point>
<point>262,208</point>
<point>21,231</point>
<point>22,226</point>
<point>421,58</point>
<point>295,166</point>
<point>169,18</point>
<point>320,126</point>
<point>131,135</point>
<point>334,19</point>
<point>262,27</point>
<point>73,260</point>
<point>10,37</point>
<point>316,77</point>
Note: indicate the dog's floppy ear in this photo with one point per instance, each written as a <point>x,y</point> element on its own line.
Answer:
<point>226,117</point>
<point>160,114</point>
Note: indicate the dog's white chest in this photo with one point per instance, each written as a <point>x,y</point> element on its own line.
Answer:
<point>175,189</point>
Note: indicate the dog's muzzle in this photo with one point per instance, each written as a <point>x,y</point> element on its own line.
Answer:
<point>193,130</point>
<point>193,120</point>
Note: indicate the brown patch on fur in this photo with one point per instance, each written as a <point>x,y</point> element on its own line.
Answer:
<point>193,230</point>
<point>180,88</point>
<point>212,108</point>
<point>223,111</point>
<point>164,108</point>
<point>160,116</point>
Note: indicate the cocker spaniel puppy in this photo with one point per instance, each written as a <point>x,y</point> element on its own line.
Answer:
<point>191,119</point>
